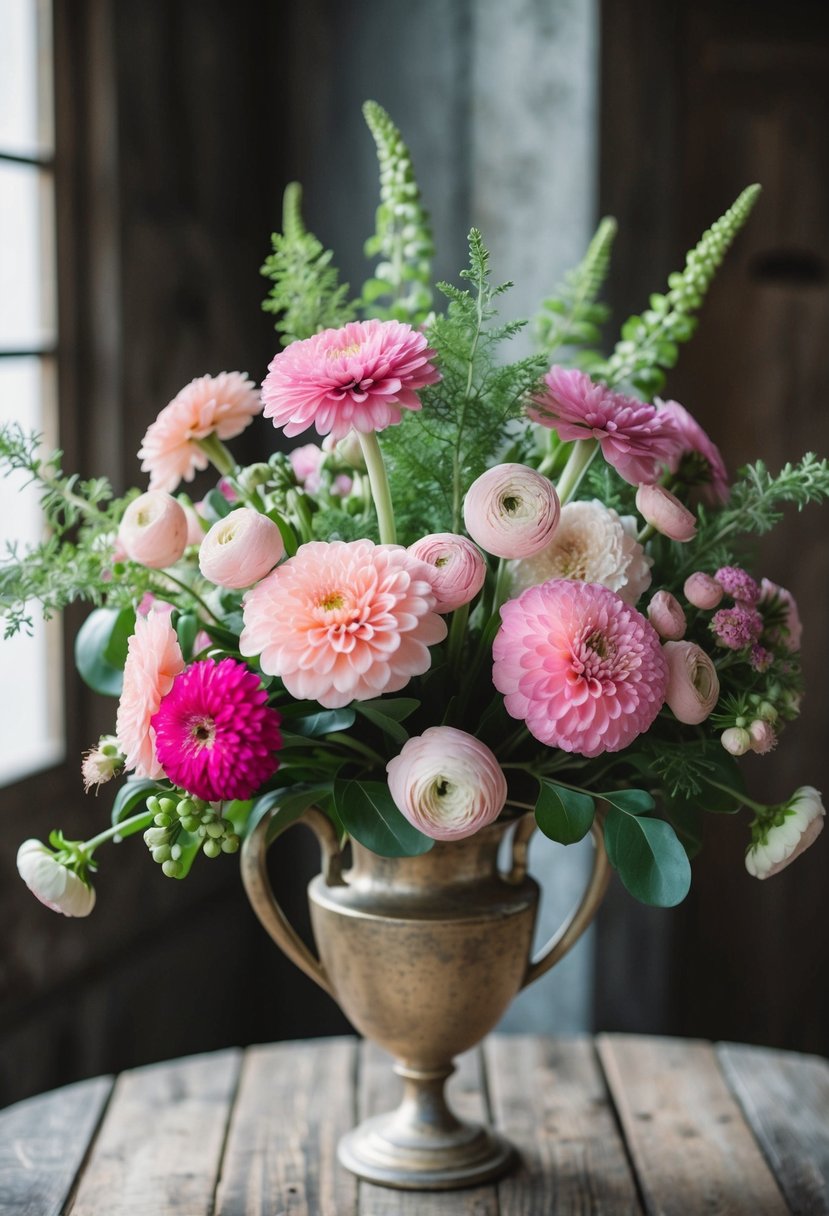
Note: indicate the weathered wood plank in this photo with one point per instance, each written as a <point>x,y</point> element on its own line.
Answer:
<point>686,1134</point>
<point>380,1090</point>
<point>43,1142</point>
<point>160,1144</point>
<point>295,1100</point>
<point>548,1096</point>
<point>785,1098</point>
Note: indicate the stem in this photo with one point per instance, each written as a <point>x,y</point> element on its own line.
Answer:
<point>142,819</point>
<point>501,585</point>
<point>646,533</point>
<point>578,462</point>
<point>217,454</point>
<point>367,752</point>
<point>193,594</point>
<point>298,505</point>
<point>457,633</point>
<point>379,483</point>
<point>759,807</point>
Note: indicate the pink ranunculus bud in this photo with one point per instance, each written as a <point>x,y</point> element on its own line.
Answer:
<point>342,485</point>
<point>240,549</point>
<point>153,530</point>
<point>663,511</point>
<point>693,684</point>
<point>702,590</point>
<point>763,737</point>
<point>306,462</point>
<point>511,511</point>
<point>736,740</point>
<point>195,531</point>
<point>776,845</point>
<point>55,885</point>
<point>458,567</point>
<point>447,783</point>
<point>666,615</point>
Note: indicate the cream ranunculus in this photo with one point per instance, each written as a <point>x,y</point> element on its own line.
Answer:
<point>796,826</point>
<point>592,544</point>
<point>154,530</point>
<point>511,511</point>
<point>693,684</point>
<point>240,549</point>
<point>55,885</point>
<point>447,783</point>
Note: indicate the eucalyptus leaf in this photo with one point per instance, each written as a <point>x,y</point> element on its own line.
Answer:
<point>387,724</point>
<point>562,814</point>
<point>291,802</point>
<point>632,802</point>
<point>101,649</point>
<point>649,858</point>
<point>131,794</point>
<point>398,708</point>
<point>323,722</point>
<point>369,814</point>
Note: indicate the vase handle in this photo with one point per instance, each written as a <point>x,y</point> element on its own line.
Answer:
<point>261,896</point>
<point>566,937</point>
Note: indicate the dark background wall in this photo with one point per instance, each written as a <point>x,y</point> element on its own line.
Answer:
<point>179,124</point>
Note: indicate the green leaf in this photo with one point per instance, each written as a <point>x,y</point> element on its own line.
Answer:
<point>131,794</point>
<point>292,800</point>
<point>562,814</point>
<point>287,533</point>
<point>649,858</point>
<point>187,626</point>
<point>386,722</point>
<point>632,802</point>
<point>190,848</point>
<point>103,633</point>
<point>369,814</point>
<point>323,722</point>
<point>398,708</point>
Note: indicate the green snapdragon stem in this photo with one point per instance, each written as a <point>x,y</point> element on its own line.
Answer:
<point>578,462</point>
<point>379,483</point>
<point>218,455</point>
<point>135,823</point>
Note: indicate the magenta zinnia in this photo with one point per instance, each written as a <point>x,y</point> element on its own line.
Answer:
<point>359,377</point>
<point>584,670</point>
<point>215,735</point>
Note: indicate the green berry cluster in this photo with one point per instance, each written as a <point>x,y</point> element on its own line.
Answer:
<point>175,814</point>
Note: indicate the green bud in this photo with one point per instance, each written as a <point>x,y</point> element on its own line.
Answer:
<point>186,807</point>
<point>215,830</point>
<point>167,805</point>
<point>162,820</point>
<point>231,843</point>
<point>171,868</point>
<point>156,836</point>
<point>255,475</point>
<point>211,848</point>
<point>153,804</point>
<point>162,853</point>
<point>190,824</point>
<point>175,852</point>
<point>768,712</point>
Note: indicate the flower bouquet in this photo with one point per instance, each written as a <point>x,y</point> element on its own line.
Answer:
<point>496,586</point>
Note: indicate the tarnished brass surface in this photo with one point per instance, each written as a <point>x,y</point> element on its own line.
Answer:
<point>423,954</point>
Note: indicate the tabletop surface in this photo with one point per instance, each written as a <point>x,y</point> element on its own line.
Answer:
<point>615,1124</point>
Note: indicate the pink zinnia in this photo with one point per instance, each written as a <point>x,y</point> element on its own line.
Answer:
<point>584,670</point>
<point>343,621</point>
<point>220,405</point>
<point>693,440</point>
<point>636,439</point>
<point>154,659</point>
<point>359,377</point>
<point>216,736</point>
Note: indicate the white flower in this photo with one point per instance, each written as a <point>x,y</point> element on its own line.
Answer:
<point>592,544</point>
<point>783,841</point>
<point>56,886</point>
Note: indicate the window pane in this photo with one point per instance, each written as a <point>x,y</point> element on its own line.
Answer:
<point>26,257</point>
<point>30,667</point>
<point>25,77</point>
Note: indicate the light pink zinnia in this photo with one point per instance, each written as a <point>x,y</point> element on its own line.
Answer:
<point>343,621</point>
<point>220,405</point>
<point>583,669</point>
<point>154,660</point>
<point>636,439</point>
<point>693,440</point>
<point>359,377</point>
<point>215,735</point>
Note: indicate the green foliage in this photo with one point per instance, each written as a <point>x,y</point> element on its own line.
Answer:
<point>648,857</point>
<point>369,814</point>
<point>571,318</point>
<point>401,287</point>
<point>562,814</point>
<point>435,454</point>
<point>306,295</point>
<point>650,342</point>
<point>101,649</point>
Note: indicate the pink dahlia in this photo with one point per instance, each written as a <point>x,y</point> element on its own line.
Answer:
<point>154,660</point>
<point>360,376</point>
<point>696,443</point>
<point>215,735</point>
<point>343,621</point>
<point>634,437</point>
<point>584,670</point>
<point>220,405</point>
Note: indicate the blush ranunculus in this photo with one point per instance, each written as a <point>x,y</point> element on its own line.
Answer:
<point>153,530</point>
<point>306,462</point>
<point>358,377</point>
<point>663,511</point>
<point>794,829</point>
<point>584,670</point>
<point>342,621</point>
<point>54,884</point>
<point>511,511</point>
<point>666,615</point>
<point>447,783</point>
<point>458,568</point>
<point>240,549</point>
<point>154,659</point>
<point>693,684</point>
<point>702,590</point>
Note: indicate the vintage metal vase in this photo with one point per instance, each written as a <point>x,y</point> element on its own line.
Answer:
<point>423,954</point>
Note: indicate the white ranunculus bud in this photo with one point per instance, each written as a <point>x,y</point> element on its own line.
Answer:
<point>797,826</point>
<point>55,885</point>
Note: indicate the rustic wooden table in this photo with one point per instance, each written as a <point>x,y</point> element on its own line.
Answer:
<point>619,1124</point>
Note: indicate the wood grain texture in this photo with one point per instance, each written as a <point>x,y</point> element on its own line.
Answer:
<point>785,1099</point>
<point>685,1132</point>
<point>379,1090</point>
<point>43,1143</point>
<point>160,1144</point>
<point>548,1096</point>
<point>295,1100</point>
